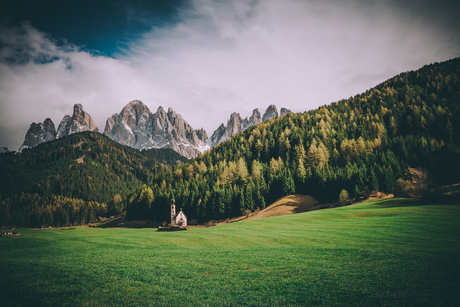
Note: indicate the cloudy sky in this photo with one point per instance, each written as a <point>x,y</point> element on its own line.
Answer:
<point>207,58</point>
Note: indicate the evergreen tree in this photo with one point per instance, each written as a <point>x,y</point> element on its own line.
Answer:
<point>288,182</point>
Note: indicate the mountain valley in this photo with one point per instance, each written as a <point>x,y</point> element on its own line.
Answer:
<point>354,147</point>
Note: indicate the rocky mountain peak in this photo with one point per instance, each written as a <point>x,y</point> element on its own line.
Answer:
<point>135,102</point>
<point>64,127</point>
<point>255,115</point>
<point>253,120</point>
<point>284,111</point>
<point>234,126</point>
<point>161,110</point>
<point>218,135</point>
<point>122,126</point>
<point>49,128</point>
<point>80,121</point>
<point>143,129</point>
<point>174,118</point>
<point>38,134</point>
<point>270,113</point>
<point>77,108</point>
<point>134,109</point>
<point>202,135</point>
<point>235,115</point>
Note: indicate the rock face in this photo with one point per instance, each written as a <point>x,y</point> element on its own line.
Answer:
<point>218,135</point>
<point>42,133</point>
<point>253,120</point>
<point>38,134</point>
<point>130,126</point>
<point>236,125</point>
<point>137,127</point>
<point>79,122</point>
<point>270,113</point>
<point>284,111</point>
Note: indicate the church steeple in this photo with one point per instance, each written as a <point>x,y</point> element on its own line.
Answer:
<point>173,212</point>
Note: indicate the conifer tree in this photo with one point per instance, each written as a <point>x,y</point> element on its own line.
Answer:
<point>242,171</point>
<point>301,172</point>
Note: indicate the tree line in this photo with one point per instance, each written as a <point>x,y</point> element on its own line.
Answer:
<point>33,210</point>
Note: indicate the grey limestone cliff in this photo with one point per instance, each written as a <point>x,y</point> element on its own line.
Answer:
<point>38,134</point>
<point>236,125</point>
<point>138,127</point>
<point>42,133</point>
<point>270,113</point>
<point>79,122</point>
<point>284,111</point>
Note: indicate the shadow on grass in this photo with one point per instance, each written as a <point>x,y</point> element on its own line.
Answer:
<point>410,202</point>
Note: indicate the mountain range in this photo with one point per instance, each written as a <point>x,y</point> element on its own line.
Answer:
<point>136,126</point>
<point>236,125</point>
<point>44,132</point>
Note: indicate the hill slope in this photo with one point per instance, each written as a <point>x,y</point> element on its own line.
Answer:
<point>81,170</point>
<point>360,144</point>
<point>86,165</point>
<point>287,205</point>
<point>166,156</point>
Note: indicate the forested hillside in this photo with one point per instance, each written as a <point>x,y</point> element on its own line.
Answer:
<point>82,175</point>
<point>361,144</point>
<point>166,156</point>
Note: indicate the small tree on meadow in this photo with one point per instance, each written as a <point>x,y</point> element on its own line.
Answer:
<point>343,197</point>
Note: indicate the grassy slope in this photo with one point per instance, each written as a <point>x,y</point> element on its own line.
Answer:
<point>391,252</point>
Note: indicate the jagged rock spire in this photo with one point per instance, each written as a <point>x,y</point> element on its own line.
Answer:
<point>79,122</point>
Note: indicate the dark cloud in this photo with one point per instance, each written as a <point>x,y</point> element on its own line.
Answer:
<point>97,26</point>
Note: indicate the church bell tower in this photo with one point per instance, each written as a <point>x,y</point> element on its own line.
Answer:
<point>173,212</point>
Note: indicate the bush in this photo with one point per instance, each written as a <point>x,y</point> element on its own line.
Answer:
<point>343,197</point>
<point>403,188</point>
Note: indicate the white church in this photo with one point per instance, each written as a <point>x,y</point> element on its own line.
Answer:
<point>178,219</point>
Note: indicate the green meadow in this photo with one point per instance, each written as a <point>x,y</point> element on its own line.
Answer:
<point>383,253</point>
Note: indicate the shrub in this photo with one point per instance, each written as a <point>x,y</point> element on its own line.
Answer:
<point>343,197</point>
<point>403,188</point>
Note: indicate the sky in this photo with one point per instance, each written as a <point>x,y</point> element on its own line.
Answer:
<point>207,58</point>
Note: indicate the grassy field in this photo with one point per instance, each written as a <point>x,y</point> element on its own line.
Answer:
<point>380,253</point>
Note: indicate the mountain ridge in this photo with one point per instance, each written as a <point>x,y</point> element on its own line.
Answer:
<point>42,133</point>
<point>236,125</point>
<point>136,126</point>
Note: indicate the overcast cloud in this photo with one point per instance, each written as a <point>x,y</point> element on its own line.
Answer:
<point>223,57</point>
